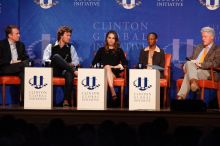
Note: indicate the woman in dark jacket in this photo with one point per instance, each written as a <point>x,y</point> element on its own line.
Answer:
<point>112,57</point>
<point>152,54</point>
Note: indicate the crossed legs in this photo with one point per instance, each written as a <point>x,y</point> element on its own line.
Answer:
<point>110,78</point>
<point>62,68</point>
<point>190,78</point>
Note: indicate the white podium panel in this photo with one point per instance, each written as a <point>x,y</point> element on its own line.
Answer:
<point>144,89</point>
<point>92,89</point>
<point>38,88</point>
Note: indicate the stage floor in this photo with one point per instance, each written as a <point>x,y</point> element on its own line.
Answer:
<point>208,119</point>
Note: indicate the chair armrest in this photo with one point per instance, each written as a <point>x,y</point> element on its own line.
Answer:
<point>125,74</point>
<point>217,69</point>
<point>167,67</point>
<point>212,71</point>
<point>167,76</point>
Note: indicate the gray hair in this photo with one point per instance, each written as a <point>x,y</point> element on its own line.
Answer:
<point>208,30</point>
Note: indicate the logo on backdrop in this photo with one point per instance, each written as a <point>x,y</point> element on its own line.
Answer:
<point>90,83</point>
<point>132,34</point>
<point>86,3</point>
<point>46,4</point>
<point>180,48</point>
<point>142,83</point>
<point>129,5</point>
<point>169,3</point>
<point>37,82</point>
<point>211,6</point>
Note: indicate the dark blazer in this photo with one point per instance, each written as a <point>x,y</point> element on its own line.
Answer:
<point>158,58</point>
<point>5,53</point>
<point>212,59</point>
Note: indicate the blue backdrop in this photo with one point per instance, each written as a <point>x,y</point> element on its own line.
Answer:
<point>177,22</point>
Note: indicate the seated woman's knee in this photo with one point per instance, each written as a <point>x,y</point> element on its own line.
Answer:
<point>107,67</point>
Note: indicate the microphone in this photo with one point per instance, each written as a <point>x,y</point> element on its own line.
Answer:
<point>140,65</point>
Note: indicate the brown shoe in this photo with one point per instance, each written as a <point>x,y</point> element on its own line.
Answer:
<point>180,98</point>
<point>194,85</point>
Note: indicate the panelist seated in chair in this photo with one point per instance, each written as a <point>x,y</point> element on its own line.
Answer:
<point>13,56</point>
<point>205,56</point>
<point>63,58</point>
<point>112,57</point>
<point>152,56</point>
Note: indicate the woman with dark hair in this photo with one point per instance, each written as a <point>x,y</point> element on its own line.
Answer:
<point>112,57</point>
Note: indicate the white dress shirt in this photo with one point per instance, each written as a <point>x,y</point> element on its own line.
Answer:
<point>14,53</point>
<point>48,51</point>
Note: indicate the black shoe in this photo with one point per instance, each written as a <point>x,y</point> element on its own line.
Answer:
<point>115,101</point>
<point>114,98</point>
<point>66,103</point>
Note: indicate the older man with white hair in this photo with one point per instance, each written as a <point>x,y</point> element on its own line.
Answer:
<point>205,56</point>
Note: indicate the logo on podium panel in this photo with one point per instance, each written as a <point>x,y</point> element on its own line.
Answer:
<point>37,82</point>
<point>142,84</point>
<point>90,83</point>
<point>129,5</point>
<point>45,5</point>
<point>92,89</point>
<point>144,89</point>
<point>38,88</point>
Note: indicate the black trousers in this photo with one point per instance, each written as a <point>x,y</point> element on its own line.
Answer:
<point>62,69</point>
<point>16,69</point>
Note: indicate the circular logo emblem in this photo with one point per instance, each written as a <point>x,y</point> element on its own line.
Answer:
<point>209,5</point>
<point>129,5</point>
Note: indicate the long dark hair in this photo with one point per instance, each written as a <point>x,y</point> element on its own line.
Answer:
<point>117,43</point>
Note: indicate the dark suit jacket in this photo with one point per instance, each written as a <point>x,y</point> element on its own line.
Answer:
<point>212,59</point>
<point>158,58</point>
<point>5,53</point>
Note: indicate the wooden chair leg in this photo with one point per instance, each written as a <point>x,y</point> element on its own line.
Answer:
<point>72,100</point>
<point>218,95</point>
<point>3,94</point>
<point>122,96</point>
<point>177,88</point>
<point>202,94</point>
<point>165,97</point>
<point>76,95</point>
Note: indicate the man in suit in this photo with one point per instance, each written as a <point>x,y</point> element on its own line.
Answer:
<point>13,57</point>
<point>205,56</point>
